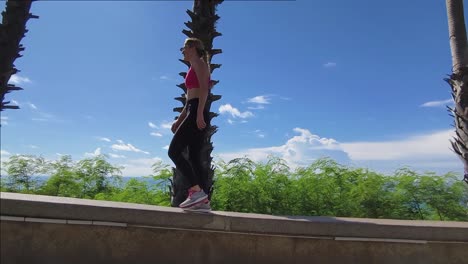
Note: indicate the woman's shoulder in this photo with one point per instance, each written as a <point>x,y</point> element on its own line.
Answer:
<point>200,66</point>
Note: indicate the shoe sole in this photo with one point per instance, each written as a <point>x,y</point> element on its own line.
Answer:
<point>201,199</point>
<point>197,210</point>
<point>194,208</point>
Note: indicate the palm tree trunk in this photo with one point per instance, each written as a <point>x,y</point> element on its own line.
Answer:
<point>12,30</point>
<point>203,27</point>
<point>459,79</point>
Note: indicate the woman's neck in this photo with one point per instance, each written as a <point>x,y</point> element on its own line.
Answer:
<point>194,60</point>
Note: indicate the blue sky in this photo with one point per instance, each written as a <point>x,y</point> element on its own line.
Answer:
<point>358,81</point>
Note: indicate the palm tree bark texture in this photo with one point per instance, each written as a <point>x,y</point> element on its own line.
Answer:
<point>458,80</point>
<point>12,30</point>
<point>202,26</point>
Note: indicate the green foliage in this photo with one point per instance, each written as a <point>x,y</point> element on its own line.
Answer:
<point>63,180</point>
<point>324,188</point>
<point>431,196</point>
<point>162,174</point>
<point>96,175</point>
<point>21,170</point>
<point>137,191</point>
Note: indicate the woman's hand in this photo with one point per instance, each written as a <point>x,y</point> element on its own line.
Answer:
<point>175,125</point>
<point>201,121</point>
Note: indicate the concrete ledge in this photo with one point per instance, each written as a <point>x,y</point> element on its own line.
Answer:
<point>70,210</point>
<point>30,243</point>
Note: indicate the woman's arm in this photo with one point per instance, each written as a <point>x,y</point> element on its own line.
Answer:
<point>202,73</point>
<point>183,114</point>
<point>201,70</point>
<point>179,120</point>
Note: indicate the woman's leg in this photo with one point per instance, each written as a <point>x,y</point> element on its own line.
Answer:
<point>182,138</point>
<point>195,156</point>
<point>195,159</point>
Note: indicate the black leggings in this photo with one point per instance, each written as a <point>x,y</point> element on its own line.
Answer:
<point>188,135</point>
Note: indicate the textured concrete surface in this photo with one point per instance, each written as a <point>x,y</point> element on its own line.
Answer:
<point>38,206</point>
<point>23,242</point>
<point>43,229</point>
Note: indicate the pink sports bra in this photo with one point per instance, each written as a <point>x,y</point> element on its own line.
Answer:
<point>191,80</point>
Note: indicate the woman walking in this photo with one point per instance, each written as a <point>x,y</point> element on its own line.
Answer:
<point>189,126</point>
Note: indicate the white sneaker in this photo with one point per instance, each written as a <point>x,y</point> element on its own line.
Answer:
<point>203,206</point>
<point>193,198</point>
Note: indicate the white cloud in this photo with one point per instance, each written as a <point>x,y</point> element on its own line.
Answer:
<point>115,156</point>
<point>33,146</point>
<point>156,134</point>
<point>33,106</point>
<point>166,78</point>
<point>18,80</point>
<point>42,116</point>
<point>437,103</point>
<point>261,99</point>
<point>3,120</point>
<point>39,119</point>
<point>166,147</point>
<point>259,133</point>
<point>431,146</point>
<point>430,151</point>
<point>300,150</point>
<point>227,108</point>
<point>259,107</point>
<point>104,139</point>
<point>96,152</point>
<point>150,124</point>
<point>127,147</point>
<point>139,167</point>
<point>4,155</point>
<point>329,64</point>
<point>232,122</point>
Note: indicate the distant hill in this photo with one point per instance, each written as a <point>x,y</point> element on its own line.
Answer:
<point>42,179</point>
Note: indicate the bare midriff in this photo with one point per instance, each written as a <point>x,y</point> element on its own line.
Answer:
<point>193,93</point>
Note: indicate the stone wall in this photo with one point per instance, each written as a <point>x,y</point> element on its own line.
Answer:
<point>43,229</point>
